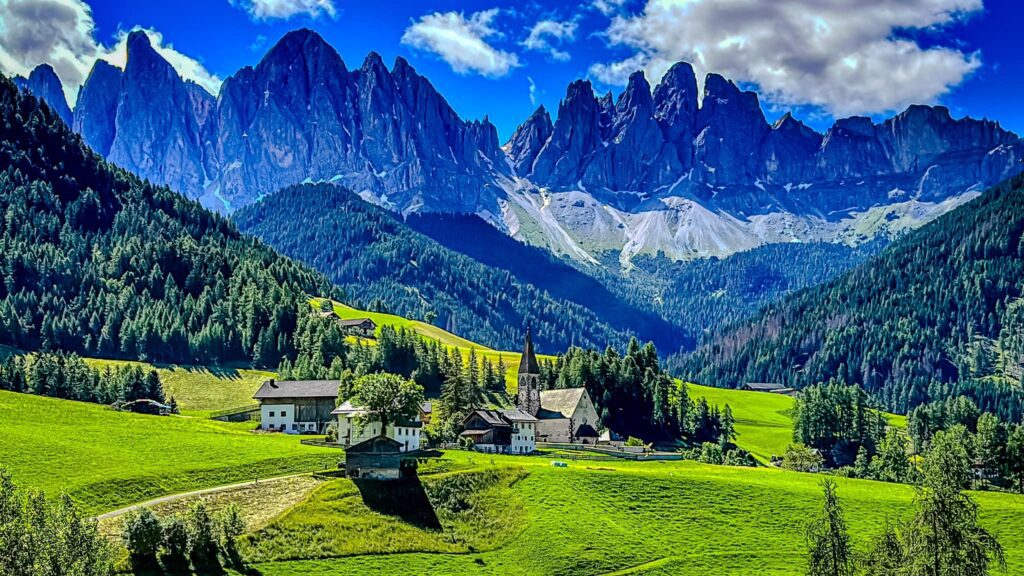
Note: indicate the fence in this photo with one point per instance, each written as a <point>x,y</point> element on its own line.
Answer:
<point>239,414</point>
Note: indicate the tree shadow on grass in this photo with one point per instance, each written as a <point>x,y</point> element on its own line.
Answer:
<point>403,498</point>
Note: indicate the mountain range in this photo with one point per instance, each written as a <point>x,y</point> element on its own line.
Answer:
<point>663,170</point>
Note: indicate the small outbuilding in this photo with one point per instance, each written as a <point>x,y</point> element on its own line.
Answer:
<point>770,387</point>
<point>359,326</point>
<point>378,458</point>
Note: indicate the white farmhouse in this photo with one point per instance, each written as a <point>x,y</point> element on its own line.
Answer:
<point>351,432</point>
<point>296,406</point>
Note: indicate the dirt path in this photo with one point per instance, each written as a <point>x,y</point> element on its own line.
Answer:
<point>173,497</point>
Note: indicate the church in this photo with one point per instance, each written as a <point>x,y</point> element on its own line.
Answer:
<point>564,416</point>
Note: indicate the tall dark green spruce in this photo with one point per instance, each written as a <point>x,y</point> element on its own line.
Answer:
<point>929,318</point>
<point>98,262</point>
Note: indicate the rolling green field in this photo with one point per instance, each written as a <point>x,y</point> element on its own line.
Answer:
<point>106,459</point>
<point>764,426</point>
<point>200,390</point>
<point>647,518</point>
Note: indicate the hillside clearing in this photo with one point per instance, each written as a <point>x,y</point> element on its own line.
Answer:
<point>106,459</point>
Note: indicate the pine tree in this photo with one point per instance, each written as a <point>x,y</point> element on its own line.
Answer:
<point>828,542</point>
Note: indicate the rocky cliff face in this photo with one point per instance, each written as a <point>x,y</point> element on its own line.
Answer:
<point>648,171</point>
<point>44,84</point>
<point>96,111</point>
<point>156,130</point>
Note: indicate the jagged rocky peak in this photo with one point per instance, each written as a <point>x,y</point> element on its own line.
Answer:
<point>675,100</point>
<point>156,133</point>
<point>96,108</point>
<point>636,100</point>
<point>576,134</point>
<point>528,140</point>
<point>44,84</point>
<point>730,130</point>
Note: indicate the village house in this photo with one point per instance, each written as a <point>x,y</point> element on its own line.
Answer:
<point>378,458</point>
<point>501,431</point>
<point>297,406</point>
<point>352,432</point>
<point>563,416</point>
<point>363,327</point>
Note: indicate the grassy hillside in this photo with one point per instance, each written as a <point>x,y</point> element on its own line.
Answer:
<point>105,459</point>
<point>511,359</point>
<point>677,518</point>
<point>200,390</point>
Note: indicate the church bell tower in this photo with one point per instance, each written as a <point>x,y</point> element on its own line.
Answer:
<point>528,397</point>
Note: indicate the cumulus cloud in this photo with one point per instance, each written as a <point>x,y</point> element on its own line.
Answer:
<point>845,57</point>
<point>548,35</point>
<point>285,9</point>
<point>62,33</point>
<point>462,42</point>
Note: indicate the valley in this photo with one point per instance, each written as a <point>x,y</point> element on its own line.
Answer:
<point>307,317</point>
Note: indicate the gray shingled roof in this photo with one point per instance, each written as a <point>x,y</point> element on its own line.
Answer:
<point>356,322</point>
<point>765,386</point>
<point>562,401</point>
<point>516,415</point>
<point>297,389</point>
<point>491,417</point>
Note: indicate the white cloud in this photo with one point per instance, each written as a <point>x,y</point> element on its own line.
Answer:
<point>461,42</point>
<point>62,33</point>
<point>533,91</point>
<point>608,7</point>
<point>548,35</point>
<point>285,9</point>
<point>846,57</point>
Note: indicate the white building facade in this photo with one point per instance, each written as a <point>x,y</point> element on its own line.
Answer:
<point>352,432</point>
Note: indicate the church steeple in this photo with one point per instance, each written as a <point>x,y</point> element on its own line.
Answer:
<point>528,363</point>
<point>528,395</point>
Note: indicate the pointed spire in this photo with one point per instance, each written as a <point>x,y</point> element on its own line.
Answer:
<point>528,363</point>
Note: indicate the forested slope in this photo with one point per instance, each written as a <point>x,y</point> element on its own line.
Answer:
<point>377,259</point>
<point>936,314</point>
<point>96,261</point>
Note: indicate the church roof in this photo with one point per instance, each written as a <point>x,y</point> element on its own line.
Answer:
<point>528,363</point>
<point>560,403</point>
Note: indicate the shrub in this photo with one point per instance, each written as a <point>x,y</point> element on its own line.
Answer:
<point>142,536</point>
<point>802,458</point>
<point>175,544</point>
<point>202,546</point>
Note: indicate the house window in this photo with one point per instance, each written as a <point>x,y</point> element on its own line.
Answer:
<point>283,414</point>
<point>271,414</point>
<point>295,426</point>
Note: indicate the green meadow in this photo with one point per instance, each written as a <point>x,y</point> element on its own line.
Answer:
<point>200,390</point>
<point>647,518</point>
<point>106,459</point>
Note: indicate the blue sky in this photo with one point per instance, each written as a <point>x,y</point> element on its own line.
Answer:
<point>501,59</point>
